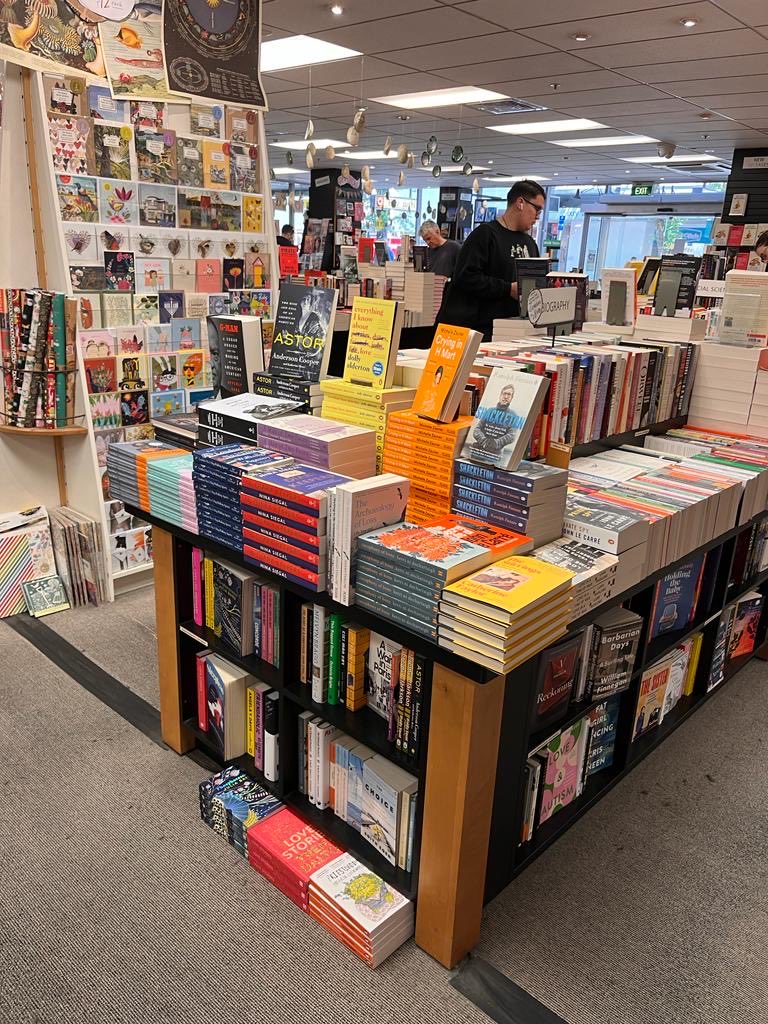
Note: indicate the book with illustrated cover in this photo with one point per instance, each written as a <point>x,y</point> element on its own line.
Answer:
<point>147,115</point>
<point>244,168</point>
<point>746,620</point>
<point>380,676</point>
<point>511,587</point>
<point>215,165</point>
<point>253,214</point>
<point>189,161</point>
<point>205,121</point>
<point>563,770</point>
<point>102,106</point>
<point>233,606</point>
<point>428,552</point>
<point>301,340</point>
<point>650,702</point>
<point>384,787</point>
<point>112,150</point>
<point>64,95</point>
<point>504,421</point>
<point>675,598</point>
<point>603,725</point>
<point>446,371</point>
<point>156,157</point>
<point>241,125</point>
<point>225,698</point>
<point>678,660</point>
<point>374,336</point>
<point>72,147</point>
<point>45,596</point>
<point>558,669</point>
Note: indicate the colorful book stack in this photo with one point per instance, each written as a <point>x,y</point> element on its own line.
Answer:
<point>402,569</point>
<point>333,657</point>
<point>594,572</point>
<point>425,452</point>
<point>364,406</point>
<point>172,492</point>
<point>502,615</point>
<point>360,909</point>
<point>127,463</point>
<point>328,444</point>
<point>530,499</point>
<point>216,473</point>
<point>231,801</point>
<point>284,524</point>
<point>238,418</point>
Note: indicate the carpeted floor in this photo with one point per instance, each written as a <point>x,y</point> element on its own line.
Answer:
<point>651,910</point>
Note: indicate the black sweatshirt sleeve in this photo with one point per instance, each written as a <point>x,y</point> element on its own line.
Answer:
<point>471,273</point>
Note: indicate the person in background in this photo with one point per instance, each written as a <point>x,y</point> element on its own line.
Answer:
<point>761,246</point>
<point>442,251</point>
<point>286,235</point>
<point>484,283</point>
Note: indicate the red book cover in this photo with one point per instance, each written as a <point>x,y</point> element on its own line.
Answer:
<point>366,250</point>
<point>735,234</point>
<point>495,538</point>
<point>280,511</point>
<point>202,704</point>
<point>557,673</point>
<point>292,568</point>
<point>281,546</point>
<point>299,847</point>
<point>258,522</point>
<point>742,261</point>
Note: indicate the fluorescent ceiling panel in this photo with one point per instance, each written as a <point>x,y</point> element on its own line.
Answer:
<point>613,140</point>
<point>684,158</point>
<point>439,97</point>
<point>368,154</point>
<point>575,124</point>
<point>299,51</point>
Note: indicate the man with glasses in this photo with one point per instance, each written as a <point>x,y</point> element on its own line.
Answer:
<point>484,284</point>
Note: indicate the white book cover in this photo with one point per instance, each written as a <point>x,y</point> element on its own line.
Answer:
<point>504,421</point>
<point>361,895</point>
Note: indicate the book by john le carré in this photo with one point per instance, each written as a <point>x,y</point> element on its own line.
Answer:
<point>301,341</point>
<point>557,672</point>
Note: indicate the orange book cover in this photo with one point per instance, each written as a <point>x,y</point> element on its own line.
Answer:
<point>502,542</point>
<point>215,164</point>
<point>434,398</point>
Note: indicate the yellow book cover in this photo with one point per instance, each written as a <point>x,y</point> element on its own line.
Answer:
<point>513,585</point>
<point>210,620</point>
<point>439,391</point>
<point>693,664</point>
<point>253,214</point>
<point>250,721</point>
<point>374,334</point>
<point>361,393</point>
<point>215,164</point>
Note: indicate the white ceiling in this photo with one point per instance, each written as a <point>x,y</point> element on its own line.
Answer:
<point>641,71</point>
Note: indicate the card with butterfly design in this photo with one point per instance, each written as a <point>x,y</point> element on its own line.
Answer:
<point>118,202</point>
<point>81,243</point>
<point>130,340</point>
<point>146,309</point>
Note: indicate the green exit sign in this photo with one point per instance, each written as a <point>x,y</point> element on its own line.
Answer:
<point>642,188</point>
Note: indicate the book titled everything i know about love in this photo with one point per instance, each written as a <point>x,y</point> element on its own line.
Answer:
<point>374,335</point>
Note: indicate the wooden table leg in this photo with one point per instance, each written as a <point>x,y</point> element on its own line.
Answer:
<point>464,728</point>
<point>166,615</point>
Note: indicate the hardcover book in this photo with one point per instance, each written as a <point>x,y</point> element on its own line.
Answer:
<point>374,335</point>
<point>558,669</point>
<point>380,682</point>
<point>564,762</point>
<point>650,702</point>
<point>613,650</point>
<point>505,419</point>
<point>237,352</point>
<point>156,157</point>
<point>189,162</point>
<point>603,725</point>
<point>215,165</point>
<point>112,151</point>
<point>301,341</point>
<point>384,785</point>
<point>675,597</point>
<point>286,840</point>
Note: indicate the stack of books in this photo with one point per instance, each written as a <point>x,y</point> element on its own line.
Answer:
<point>231,802</point>
<point>506,613</point>
<point>362,406</point>
<point>617,531</point>
<point>288,389</point>
<point>236,419</point>
<point>424,452</point>
<point>172,492</point>
<point>284,529</point>
<point>127,469</point>
<point>216,473</point>
<point>530,499</point>
<point>594,572</point>
<point>178,429</point>
<point>328,444</point>
<point>360,909</point>
<point>287,852</point>
<point>402,569</point>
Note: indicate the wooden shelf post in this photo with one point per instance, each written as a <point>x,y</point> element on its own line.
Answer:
<point>464,729</point>
<point>167,619</point>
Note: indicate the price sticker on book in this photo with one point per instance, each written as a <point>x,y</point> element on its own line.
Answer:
<point>548,306</point>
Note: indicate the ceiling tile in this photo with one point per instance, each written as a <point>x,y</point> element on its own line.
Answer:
<point>703,87</point>
<point>513,15</point>
<point>584,99</point>
<point>384,35</point>
<point>694,69</point>
<point>480,49</point>
<point>709,45</point>
<point>515,69</point>
<point>751,12</point>
<point>294,98</point>
<point>337,72</point>
<point>302,18</point>
<point>599,78</point>
<point>717,101</point>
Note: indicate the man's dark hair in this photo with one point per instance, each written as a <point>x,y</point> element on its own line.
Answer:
<point>526,189</point>
<point>762,240</point>
<point>286,229</point>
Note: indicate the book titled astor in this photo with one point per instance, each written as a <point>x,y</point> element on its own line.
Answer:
<point>301,342</point>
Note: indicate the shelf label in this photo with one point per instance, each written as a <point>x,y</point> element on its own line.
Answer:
<point>551,306</point>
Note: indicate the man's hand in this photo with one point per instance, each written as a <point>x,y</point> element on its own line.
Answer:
<point>513,289</point>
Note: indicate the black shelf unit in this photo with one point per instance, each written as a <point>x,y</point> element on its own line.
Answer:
<point>627,437</point>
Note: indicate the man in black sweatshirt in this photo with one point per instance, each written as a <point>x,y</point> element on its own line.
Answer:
<point>484,284</point>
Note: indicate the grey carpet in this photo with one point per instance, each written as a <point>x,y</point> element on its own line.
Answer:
<point>652,909</point>
<point>120,637</point>
<point>118,905</point>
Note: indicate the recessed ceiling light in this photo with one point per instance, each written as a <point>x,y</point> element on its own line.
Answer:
<point>683,158</point>
<point>403,117</point>
<point>337,10</point>
<point>606,140</point>
<point>440,97</point>
<point>576,124</point>
<point>706,115</point>
<point>581,37</point>
<point>514,177</point>
<point>301,144</point>
<point>300,51</point>
<point>688,22</point>
<point>490,162</point>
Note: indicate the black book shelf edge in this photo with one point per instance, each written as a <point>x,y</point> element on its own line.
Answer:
<point>628,437</point>
<point>603,782</point>
<point>349,839</point>
<point>661,645</point>
<point>244,763</point>
<point>254,666</point>
<point>653,578</point>
<point>431,651</point>
<point>364,725</point>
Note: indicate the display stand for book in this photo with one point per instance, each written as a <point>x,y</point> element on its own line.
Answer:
<point>477,737</point>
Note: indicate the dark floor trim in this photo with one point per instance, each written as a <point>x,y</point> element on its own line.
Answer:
<point>494,994</point>
<point>110,691</point>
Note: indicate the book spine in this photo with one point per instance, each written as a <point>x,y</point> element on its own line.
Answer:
<point>271,736</point>
<point>343,656</point>
<point>301,740</point>
<point>258,619</point>
<point>283,534</point>
<point>250,722</point>
<point>313,563</point>
<point>320,654</point>
<point>276,606</point>
<point>210,615</point>
<point>280,513</point>
<point>334,658</point>
<point>258,726</point>
<point>197,586</point>
<point>304,621</point>
<point>202,703</point>
<point>414,730</point>
<point>285,568</point>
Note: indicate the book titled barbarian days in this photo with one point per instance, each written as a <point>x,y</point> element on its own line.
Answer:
<point>505,419</point>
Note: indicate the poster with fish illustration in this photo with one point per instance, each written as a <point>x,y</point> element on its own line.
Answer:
<point>52,35</point>
<point>133,54</point>
<point>212,50</point>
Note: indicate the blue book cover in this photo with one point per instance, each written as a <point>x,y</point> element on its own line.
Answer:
<point>674,604</point>
<point>356,759</point>
<point>306,480</point>
<point>490,501</point>
<point>529,476</point>
<point>603,724</point>
<point>214,692</point>
<point>490,515</point>
<point>514,495</point>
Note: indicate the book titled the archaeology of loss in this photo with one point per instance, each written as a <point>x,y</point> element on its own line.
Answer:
<point>505,418</point>
<point>374,335</point>
<point>301,341</point>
